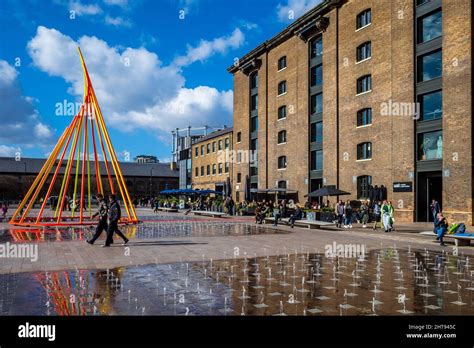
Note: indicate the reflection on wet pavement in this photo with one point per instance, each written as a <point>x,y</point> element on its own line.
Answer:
<point>387,282</point>
<point>149,229</point>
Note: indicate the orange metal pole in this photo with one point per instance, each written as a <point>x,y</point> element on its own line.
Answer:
<point>105,156</point>
<point>113,157</point>
<point>83,170</point>
<point>53,180</point>
<point>45,169</point>
<point>96,160</point>
<point>69,169</point>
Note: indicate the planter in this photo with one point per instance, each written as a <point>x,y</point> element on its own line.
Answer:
<point>250,211</point>
<point>327,216</point>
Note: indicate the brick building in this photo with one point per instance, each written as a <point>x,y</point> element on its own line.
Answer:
<point>210,160</point>
<point>358,93</point>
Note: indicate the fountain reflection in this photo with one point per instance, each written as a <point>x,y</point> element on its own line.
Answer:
<point>383,282</point>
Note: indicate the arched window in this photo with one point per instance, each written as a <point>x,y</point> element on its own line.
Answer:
<point>364,84</point>
<point>364,18</point>
<point>364,151</point>
<point>254,80</point>
<point>364,117</point>
<point>282,63</point>
<point>282,137</point>
<point>282,162</point>
<point>364,51</point>
<point>282,112</point>
<point>282,87</point>
<point>363,183</point>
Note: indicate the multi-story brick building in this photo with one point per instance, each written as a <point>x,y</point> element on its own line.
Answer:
<point>358,93</point>
<point>211,157</point>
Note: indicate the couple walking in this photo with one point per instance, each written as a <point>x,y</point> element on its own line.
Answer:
<point>109,217</point>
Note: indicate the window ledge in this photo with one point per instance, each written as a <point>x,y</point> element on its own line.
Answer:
<point>281,143</point>
<point>363,60</point>
<point>365,26</point>
<point>279,95</point>
<point>281,119</point>
<point>281,169</point>
<point>362,93</point>
<point>364,126</point>
<point>364,160</point>
<point>281,69</point>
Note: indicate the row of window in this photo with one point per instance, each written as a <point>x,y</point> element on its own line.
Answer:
<point>214,146</point>
<point>430,147</point>
<point>216,169</point>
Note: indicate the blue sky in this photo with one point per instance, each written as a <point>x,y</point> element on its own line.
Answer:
<point>155,65</point>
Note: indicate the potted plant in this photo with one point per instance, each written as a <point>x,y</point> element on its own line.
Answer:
<point>327,214</point>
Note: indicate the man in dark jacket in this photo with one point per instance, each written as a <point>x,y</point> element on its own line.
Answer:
<point>102,213</point>
<point>296,216</point>
<point>113,217</point>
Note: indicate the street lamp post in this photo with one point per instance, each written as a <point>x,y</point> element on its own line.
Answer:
<point>151,182</point>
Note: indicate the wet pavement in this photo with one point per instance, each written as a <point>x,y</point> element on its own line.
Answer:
<point>389,281</point>
<point>161,228</point>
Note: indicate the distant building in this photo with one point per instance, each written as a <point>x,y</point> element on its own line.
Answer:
<point>210,160</point>
<point>146,159</point>
<point>182,142</point>
<point>142,179</point>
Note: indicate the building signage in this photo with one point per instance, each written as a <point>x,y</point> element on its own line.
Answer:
<point>403,186</point>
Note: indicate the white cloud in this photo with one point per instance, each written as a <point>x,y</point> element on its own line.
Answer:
<point>117,21</point>
<point>120,3</point>
<point>293,9</point>
<point>135,90</point>
<point>19,119</point>
<point>83,10</point>
<point>205,49</point>
<point>186,5</point>
<point>7,73</point>
<point>9,151</point>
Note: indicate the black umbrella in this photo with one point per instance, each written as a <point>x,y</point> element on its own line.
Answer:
<point>327,191</point>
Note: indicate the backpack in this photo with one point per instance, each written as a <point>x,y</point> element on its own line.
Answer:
<point>461,228</point>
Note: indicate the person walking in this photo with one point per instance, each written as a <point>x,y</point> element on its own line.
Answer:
<point>441,225</point>
<point>364,214</point>
<point>340,213</point>
<point>102,214</point>
<point>348,215</point>
<point>113,217</point>
<point>297,215</point>
<point>377,214</point>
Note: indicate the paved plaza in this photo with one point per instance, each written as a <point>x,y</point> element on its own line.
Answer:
<point>178,264</point>
<point>73,252</point>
